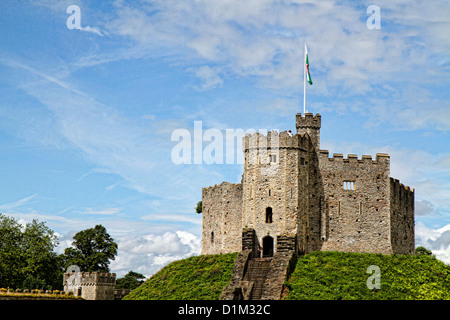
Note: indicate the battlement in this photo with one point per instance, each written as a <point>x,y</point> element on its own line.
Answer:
<point>308,121</point>
<point>311,125</point>
<point>353,158</point>
<point>94,278</point>
<point>275,140</point>
<point>98,278</point>
<point>397,185</point>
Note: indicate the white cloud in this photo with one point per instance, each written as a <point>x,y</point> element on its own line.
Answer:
<point>18,203</point>
<point>106,211</point>
<point>423,208</point>
<point>436,240</point>
<point>209,76</point>
<point>190,218</point>
<point>148,253</point>
<point>92,30</point>
<point>264,39</point>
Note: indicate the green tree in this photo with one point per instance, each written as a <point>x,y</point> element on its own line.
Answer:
<point>11,254</point>
<point>423,251</point>
<point>42,262</point>
<point>28,252</point>
<point>131,281</point>
<point>32,283</point>
<point>93,249</point>
<point>199,207</point>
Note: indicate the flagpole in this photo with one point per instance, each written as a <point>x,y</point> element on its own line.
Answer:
<point>304,82</point>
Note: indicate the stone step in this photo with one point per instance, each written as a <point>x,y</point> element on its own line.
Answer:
<point>257,270</point>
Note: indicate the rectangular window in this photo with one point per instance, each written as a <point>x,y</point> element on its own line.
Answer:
<point>273,158</point>
<point>349,185</point>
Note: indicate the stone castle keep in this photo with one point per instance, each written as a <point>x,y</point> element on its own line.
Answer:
<point>294,199</point>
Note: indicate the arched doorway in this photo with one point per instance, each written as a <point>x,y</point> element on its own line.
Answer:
<point>267,242</point>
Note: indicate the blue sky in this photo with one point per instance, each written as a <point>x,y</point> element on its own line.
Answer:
<point>86,115</point>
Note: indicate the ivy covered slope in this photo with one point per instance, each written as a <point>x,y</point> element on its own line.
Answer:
<point>338,275</point>
<point>194,278</point>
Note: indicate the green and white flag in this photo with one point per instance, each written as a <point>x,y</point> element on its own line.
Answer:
<point>308,76</point>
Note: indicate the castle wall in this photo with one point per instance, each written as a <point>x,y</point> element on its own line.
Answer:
<point>313,205</point>
<point>276,184</point>
<point>91,285</point>
<point>222,218</point>
<point>317,202</point>
<point>402,217</point>
<point>357,199</point>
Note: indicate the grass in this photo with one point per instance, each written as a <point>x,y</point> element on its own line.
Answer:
<point>317,276</point>
<point>194,278</point>
<point>342,276</point>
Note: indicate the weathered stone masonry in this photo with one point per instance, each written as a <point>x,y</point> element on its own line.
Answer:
<point>294,198</point>
<point>91,285</point>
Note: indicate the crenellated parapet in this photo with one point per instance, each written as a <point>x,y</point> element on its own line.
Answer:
<point>98,278</point>
<point>275,140</point>
<point>397,185</point>
<point>311,125</point>
<point>308,121</point>
<point>380,158</point>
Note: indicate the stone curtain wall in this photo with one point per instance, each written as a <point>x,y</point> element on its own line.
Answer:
<point>222,218</point>
<point>357,194</point>
<point>402,217</point>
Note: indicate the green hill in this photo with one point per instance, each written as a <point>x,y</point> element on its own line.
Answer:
<point>318,275</point>
<point>338,275</point>
<point>194,278</point>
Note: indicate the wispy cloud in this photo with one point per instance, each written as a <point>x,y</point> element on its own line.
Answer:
<point>115,143</point>
<point>17,204</point>
<point>103,212</point>
<point>92,30</point>
<point>178,218</point>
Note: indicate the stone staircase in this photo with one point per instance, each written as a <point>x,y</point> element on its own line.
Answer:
<point>260,278</point>
<point>257,270</point>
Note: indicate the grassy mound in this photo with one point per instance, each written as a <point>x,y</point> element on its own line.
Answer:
<point>194,278</point>
<point>318,275</point>
<point>338,275</point>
